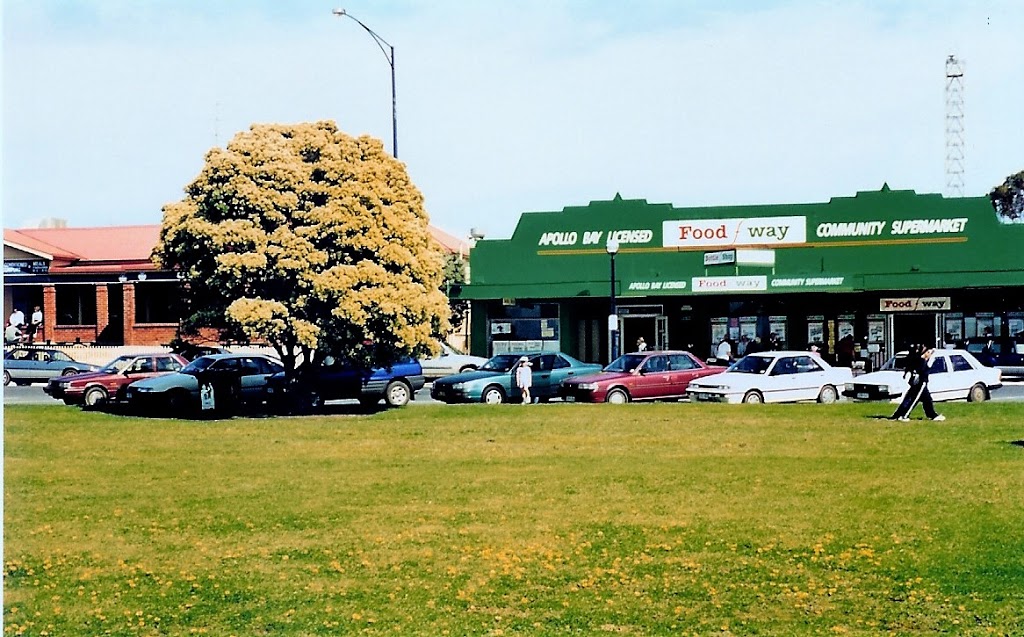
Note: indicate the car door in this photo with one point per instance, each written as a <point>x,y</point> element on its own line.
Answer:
<point>963,373</point>
<point>254,378</point>
<point>542,367</point>
<point>782,383</point>
<point>942,382</point>
<point>44,366</point>
<point>654,380</point>
<point>810,377</point>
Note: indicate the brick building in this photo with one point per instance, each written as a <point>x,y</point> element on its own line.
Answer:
<point>98,285</point>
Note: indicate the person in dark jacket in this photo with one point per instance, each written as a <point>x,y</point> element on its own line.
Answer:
<point>919,363</point>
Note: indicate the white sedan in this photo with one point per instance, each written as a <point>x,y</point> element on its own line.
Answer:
<point>773,377</point>
<point>449,362</point>
<point>955,375</point>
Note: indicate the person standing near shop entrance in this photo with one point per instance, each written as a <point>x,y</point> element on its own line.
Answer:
<point>35,326</point>
<point>724,351</point>
<point>919,363</point>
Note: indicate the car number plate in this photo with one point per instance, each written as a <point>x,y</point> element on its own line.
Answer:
<point>703,396</point>
<point>862,395</point>
<point>570,399</point>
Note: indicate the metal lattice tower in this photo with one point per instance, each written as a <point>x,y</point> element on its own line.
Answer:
<point>954,127</point>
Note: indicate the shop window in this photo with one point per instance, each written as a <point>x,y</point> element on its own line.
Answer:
<point>156,303</point>
<point>76,304</point>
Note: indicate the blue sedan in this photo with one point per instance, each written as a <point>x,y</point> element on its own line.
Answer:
<point>24,365</point>
<point>493,384</point>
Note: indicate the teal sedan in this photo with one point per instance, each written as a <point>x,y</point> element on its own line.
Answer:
<point>493,382</point>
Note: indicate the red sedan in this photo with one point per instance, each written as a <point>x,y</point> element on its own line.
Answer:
<point>639,376</point>
<point>108,384</point>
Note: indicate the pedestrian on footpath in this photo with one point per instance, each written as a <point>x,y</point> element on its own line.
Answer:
<point>918,365</point>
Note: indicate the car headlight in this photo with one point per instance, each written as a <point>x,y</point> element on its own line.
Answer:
<point>458,386</point>
<point>588,386</point>
<point>849,387</point>
<point>143,390</point>
<point>884,389</point>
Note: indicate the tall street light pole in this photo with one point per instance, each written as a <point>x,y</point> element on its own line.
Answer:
<point>613,319</point>
<point>389,55</point>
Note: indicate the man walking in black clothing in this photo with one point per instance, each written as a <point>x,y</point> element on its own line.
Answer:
<point>919,363</point>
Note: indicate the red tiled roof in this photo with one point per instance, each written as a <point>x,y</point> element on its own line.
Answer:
<point>112,243</point>
<point>115,248</point>
<point>451,243</point>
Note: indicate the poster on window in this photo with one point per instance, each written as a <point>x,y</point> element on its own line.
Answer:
<point>777,325</point>
<point>845,328</point>
<point>954,330</point>
<point>815,332</point>
<point>876,331</point>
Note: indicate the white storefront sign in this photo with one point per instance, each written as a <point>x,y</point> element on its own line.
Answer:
<point>711,284</point>
<point>762,231</point>
<point>916,304</point>
<point>722,257</point>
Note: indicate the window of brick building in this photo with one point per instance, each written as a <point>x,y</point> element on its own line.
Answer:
<point>157,303</point>
<point>76,304</point>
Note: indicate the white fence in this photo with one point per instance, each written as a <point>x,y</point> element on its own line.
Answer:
<point>102,354</point>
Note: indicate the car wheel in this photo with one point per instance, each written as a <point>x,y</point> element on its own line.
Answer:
<point>467,368</point>
<point>493,395</point>
<point>397,394</point>
<point>70,371</point>
<point>7,378</point>
<point>977,394</point>
<point>617,397</point>
<point>828,395</point>
<point>753,397</point>
<point>94,397</point>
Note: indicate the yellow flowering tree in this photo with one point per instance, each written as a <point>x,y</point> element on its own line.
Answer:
<point>311,240</point>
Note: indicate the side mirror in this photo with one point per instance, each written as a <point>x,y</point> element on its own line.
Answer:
<point>636,371</point>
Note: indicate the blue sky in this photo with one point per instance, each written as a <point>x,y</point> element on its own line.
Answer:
<point>509,107</point>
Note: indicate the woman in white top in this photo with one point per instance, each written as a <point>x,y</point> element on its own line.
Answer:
<point>524,379</point>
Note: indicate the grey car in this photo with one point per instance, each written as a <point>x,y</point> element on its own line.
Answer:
<point>24,365</point>
<point>216,382</point>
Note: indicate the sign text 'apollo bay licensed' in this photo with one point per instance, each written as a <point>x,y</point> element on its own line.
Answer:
<point>595,237</point>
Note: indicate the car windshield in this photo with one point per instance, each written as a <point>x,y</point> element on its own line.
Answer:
<point>198,365</point>
<point>117,365</point>
<point>751,365</point>
<point>625,363</point>
<point>501,363</point>
<point>897,362</point>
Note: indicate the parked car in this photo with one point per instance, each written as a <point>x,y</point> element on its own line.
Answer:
<point>650,375</point>
<point>25,365</point>
<point>1005,354</point>
<point>773,377</point>
<point>492,383</point>
<point>450,361</point>
<point>334,380</point>
<point>215,382</point>
<point>955,374</point>
<point>109,382</point>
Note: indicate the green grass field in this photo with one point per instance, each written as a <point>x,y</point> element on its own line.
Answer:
<point>667,519</point>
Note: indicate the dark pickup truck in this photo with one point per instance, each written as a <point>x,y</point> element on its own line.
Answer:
<point>396,385</point>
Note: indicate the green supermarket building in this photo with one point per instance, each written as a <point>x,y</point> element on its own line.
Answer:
<point>887,267</point>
